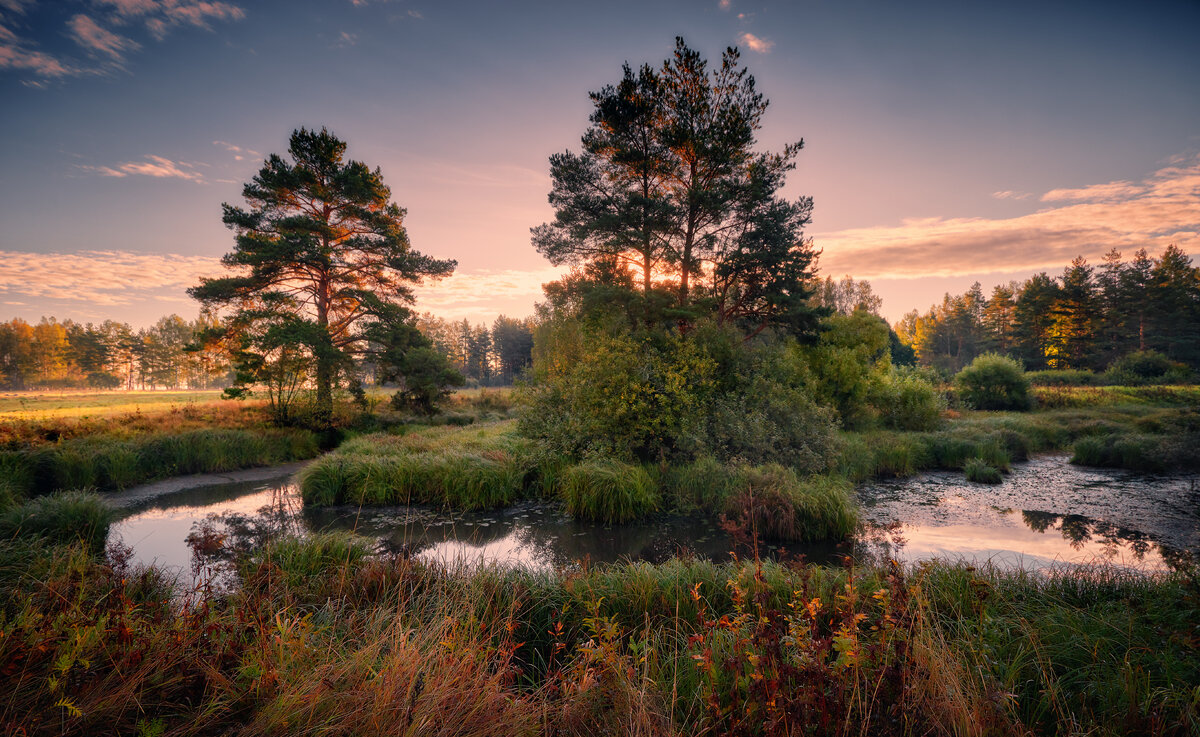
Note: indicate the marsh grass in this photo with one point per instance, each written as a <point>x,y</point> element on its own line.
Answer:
<point>61,518</point>
<point>980,472</point>
<point>109,463</point>
<point>609,491</point>
<point>322,639</point>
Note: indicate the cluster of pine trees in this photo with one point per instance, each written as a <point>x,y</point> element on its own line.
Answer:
<point>487,357</point>
<point>1084,319</point>
<point>111,355</point>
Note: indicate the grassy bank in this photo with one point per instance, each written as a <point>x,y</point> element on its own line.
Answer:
<point>488,465</point>
<point>320,638</point>
<point>105,462</point>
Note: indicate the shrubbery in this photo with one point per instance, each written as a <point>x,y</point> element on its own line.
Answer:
<point>1146,367</point>
<point>994,382</point>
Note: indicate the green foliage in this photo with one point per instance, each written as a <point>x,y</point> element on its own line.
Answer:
<point>109,463</point>
<point>608,491</point>
<point>1146,367</point>
<point>1155,453</point>
<point>625,396</point>
<point>905,400</point>
<point>979,471</point>
<point>774,503</point>
<point>847,365</point>
<point>301,559</point>
<point>428,378</point>
<point>324,253</point>
<point>1063,377</point>
<point>61,519</point>
<point>993,382</point>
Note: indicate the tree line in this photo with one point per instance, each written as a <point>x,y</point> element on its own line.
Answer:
<point>111,355</point>
<point>175,353</point>
<point>1084,319</point>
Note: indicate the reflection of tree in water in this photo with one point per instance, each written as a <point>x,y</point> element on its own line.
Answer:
<point>1079,530</point>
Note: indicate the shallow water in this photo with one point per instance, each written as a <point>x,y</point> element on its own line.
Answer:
<point>1045,513</point>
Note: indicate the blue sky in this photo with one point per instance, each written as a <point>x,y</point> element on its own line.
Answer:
<point>945,142</point>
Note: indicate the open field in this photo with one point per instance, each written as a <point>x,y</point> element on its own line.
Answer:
<point>36,405</point>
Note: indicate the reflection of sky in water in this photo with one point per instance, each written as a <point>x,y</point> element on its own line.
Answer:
<point>933,515</point>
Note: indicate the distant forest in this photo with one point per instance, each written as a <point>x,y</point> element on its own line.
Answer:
<point>173,354</point>
<point>1085,319</point>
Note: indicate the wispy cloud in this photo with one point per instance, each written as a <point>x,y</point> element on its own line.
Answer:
<point>96,39</point>
<point>104,49</point>
<point>345,39</point>
<point>1009,194</point>
<point>239,152</point>
<point>114,279</point>
<point>756,44</point>
<point>101,277</point>
<point>155,166</point>
<point>725,4</point>
<point>1162,209</point>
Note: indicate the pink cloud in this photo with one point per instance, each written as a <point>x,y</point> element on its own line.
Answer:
<point>756,44</point>
<point>1162,209</point>
<point>155,166</point>
<point>92,36</point>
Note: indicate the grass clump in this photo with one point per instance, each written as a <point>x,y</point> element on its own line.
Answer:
<point>479,467</point>
<point>994,382</point>
<point>609,491</point>
<point>60,519</point>
<point>980,472</point>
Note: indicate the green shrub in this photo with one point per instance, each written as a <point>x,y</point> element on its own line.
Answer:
<point>979,471</point>
<point>62,518</point>
<point>907,401</point>
<point>1063,377</point>
<point>609,491</point>
<point>993,382</point>
<point>1145,367</point>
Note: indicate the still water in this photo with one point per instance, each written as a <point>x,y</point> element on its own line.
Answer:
<point>1046,512</point>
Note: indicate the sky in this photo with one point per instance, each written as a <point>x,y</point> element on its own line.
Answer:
<point>945,142</point>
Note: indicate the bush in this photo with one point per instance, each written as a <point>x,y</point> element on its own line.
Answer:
<point>609,491</point>
<point>1064,377</point>
<point>63,518</point>
<point>1145,367</point>
<point>906,401</point>
<point>980,472</point>
<point>994,382</point>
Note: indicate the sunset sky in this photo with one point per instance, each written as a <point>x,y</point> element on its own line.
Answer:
<point>945,142</point>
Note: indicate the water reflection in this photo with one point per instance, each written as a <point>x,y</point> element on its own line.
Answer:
<point>934,515</point>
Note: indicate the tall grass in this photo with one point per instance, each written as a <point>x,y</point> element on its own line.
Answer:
<point>62,518</point>
<point>320,639</point>
<point>109,463</point>
<point>609,491</point>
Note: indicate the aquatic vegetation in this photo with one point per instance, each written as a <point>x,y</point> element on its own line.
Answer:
<point>979,471</point>
<point>608,491</point>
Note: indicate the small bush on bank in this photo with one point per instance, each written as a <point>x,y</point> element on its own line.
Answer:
<point>62,518</point>
<point>993,382</point>
<point>609,491</point>
<point>979,471</point>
